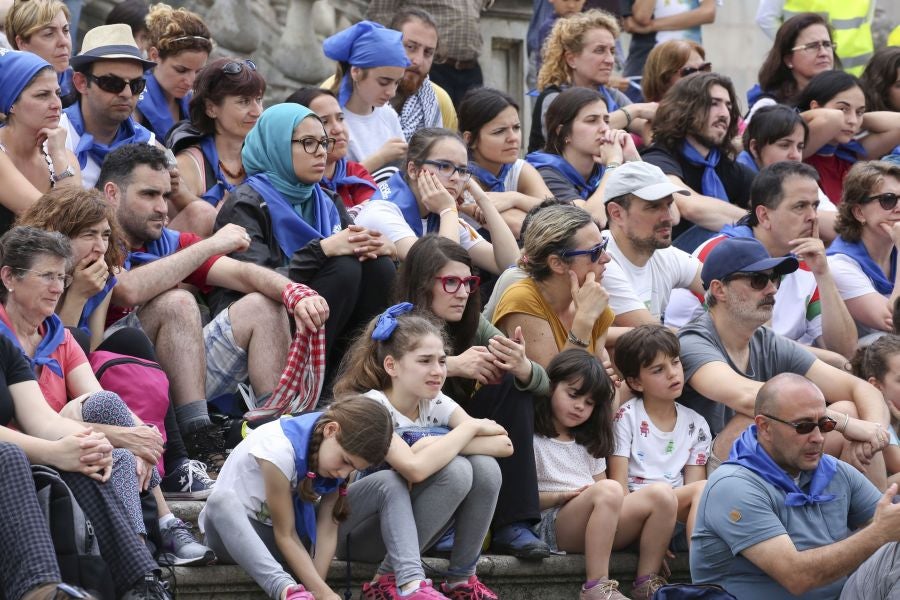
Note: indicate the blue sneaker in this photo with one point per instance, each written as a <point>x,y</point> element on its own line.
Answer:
<point>517,539</point>
<point>444,546</point>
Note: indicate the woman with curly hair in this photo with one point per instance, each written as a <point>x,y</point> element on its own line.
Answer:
<point>580,52</point>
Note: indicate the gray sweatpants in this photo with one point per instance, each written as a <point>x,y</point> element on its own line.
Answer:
<point>878,578</point>
<point>391,524</point>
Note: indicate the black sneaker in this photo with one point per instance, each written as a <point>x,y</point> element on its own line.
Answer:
<point>188,481</point>
<point>517,539</point>
<point>148,588</point>
<point>207,445</point>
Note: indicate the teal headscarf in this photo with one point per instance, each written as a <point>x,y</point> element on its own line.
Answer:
<point>267,151</point>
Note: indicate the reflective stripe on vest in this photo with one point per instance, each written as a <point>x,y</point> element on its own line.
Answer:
<point>851,20</point>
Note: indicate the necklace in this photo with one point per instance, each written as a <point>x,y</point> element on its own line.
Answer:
<point>241,173</point>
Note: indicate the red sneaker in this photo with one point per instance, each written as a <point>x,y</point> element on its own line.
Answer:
<point>471,590</point>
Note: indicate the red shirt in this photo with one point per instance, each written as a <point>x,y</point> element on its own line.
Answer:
<point>832,171</point>
<point>356,193</point>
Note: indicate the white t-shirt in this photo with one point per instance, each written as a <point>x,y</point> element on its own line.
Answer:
<point>90,172</point>
<point>432,413</point>
<point>798,310</point>
<point>385,216</point>
<point>632,287</point>
<point>242,477</point>
<point>511,181</point>
<point>369,132</point>
<point>656,456</point>
<point>564,466</point>
<point>851,283</point>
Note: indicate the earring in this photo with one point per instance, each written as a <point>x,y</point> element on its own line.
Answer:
<point>790,66</point>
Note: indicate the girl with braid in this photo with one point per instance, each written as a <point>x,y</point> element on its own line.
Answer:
<point>283,491</point>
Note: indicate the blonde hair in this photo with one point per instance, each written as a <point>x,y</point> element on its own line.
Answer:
<point>567,35</point>
<point>26,17</point>
<point>172,30</point>
<point>552,232</point>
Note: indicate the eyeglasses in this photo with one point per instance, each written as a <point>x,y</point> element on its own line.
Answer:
<point>758,281</point>
<point>115,84</point>
<point>595,252</point>
<point>447,168</point>
<point>49,277</point>
<point>815,46</point>
<point>888,200</point>
<point>825,424</point>
<point>452,283</point>
<point>704,68</point>
<point>233,68</point>
<point>311,145</point>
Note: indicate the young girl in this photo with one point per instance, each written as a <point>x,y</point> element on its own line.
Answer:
<point>657,439</point>
<point>401,361</point>
<point>282,492</point>
<point>879,364</point>
<point>580,506</point>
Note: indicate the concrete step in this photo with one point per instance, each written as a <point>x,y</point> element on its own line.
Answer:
<point>556,577</point>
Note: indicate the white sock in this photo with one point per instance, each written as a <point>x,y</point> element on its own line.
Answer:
<point>166,520</point>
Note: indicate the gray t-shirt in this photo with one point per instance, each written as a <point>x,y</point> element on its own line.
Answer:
<point>770,355</point>
<point>739,509</point>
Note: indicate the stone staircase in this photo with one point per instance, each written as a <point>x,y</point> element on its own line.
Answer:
<point>557,577</point>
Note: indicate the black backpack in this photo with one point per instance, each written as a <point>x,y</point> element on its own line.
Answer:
<point>685,591</point>
<point>77,550</point>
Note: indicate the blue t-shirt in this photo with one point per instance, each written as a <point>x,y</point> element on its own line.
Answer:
<point>739,509</point>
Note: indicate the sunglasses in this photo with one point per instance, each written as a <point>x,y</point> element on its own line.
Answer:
<point>825,424</point>
<point>447,168</point>
<point>595,252</point>
<point>452,283</point>
<point>233,68</point>
<point>704,68</point>
<point>888,200</point>
<point>311,144</point>
<point>758,281</point>
<point>115,84</point>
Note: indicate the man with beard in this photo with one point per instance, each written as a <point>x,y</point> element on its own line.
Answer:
<point>692,144</point>
<point>781,519</point>
<point>782,217</point>
<point>645,267</point>
<point>727,355</point>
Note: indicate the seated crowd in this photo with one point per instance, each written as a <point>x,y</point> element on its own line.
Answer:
<point>668,327</point>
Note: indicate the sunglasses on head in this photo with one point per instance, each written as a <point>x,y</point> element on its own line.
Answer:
<point>234,67</point>
<point>595,252</point>
<point>115,84</point>
<point>888,200</point>
<point>825,424</point>
<point>704,68</point>
<point>759,280</point>
<point>452,283</point>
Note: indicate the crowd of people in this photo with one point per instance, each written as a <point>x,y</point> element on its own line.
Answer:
<point>670,326</point>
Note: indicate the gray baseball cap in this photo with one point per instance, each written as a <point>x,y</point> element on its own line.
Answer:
<point>642,179</point>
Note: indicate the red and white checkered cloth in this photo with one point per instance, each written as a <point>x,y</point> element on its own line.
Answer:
<point>301,381</point>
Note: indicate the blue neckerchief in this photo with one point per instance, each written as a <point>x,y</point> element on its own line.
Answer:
<point>92,303</point>
<point>298,430</point>
<point>583,188</point>
<point>710,185</point>
<point>495,183</point>
<point>611,103</point>
<point>54,334</point>
<point>340,177</point>
<point>153,105</point>
<point>166,244</point>
<point>737,231</point>
<point>64,80</point>
<point>857,251</point>
<point>215,192</point>
<point>852,151</point>
<point>403,197</point>
<point>754,94</point>
<point>290,230</point>
<point>747,453</point>
<point>129,133</point>
<point>746,159</point>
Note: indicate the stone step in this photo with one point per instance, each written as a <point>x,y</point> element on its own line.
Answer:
<point>554,577</point>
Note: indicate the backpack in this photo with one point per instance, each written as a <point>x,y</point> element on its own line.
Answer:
<point>77,550</point>
<point>142,385</point>
<point>685,591</point>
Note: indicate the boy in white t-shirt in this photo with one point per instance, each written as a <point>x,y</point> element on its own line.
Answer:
<point>657,439</point>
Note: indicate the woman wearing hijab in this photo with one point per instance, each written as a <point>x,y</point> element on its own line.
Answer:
<point>371,64</point>
<point>297,226</point>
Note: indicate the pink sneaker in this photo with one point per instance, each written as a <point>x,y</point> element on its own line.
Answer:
<point>298,592</point>
<point>383,588</point>
<point>470,590</point>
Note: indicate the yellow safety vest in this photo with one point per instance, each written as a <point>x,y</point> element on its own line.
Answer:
<point>894,38</point>
<point>852,23</point>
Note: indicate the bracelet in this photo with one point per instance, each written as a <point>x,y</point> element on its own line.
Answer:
<point>843,426</point>
<point>627,117</point>
<point>577,341</point>
<point>612,165</point>
<point>446,210</point>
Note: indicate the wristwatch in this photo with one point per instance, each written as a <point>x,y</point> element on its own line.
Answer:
<point>69,172</point>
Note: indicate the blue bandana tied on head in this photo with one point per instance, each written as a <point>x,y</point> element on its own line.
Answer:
<point>387,321</point>
<point>747,453</point>
<point>857,251</point>
<point>494,183</point>
<point>710,185</point>
<point>153,105</point>
<point>365,45</point>
<point>583,188</point>
<point>54,335</point>
<point>17,69</point>
<point>401,195</point>
<point>166,244</point>
<point>129,133</point>
<point>298,431</point>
